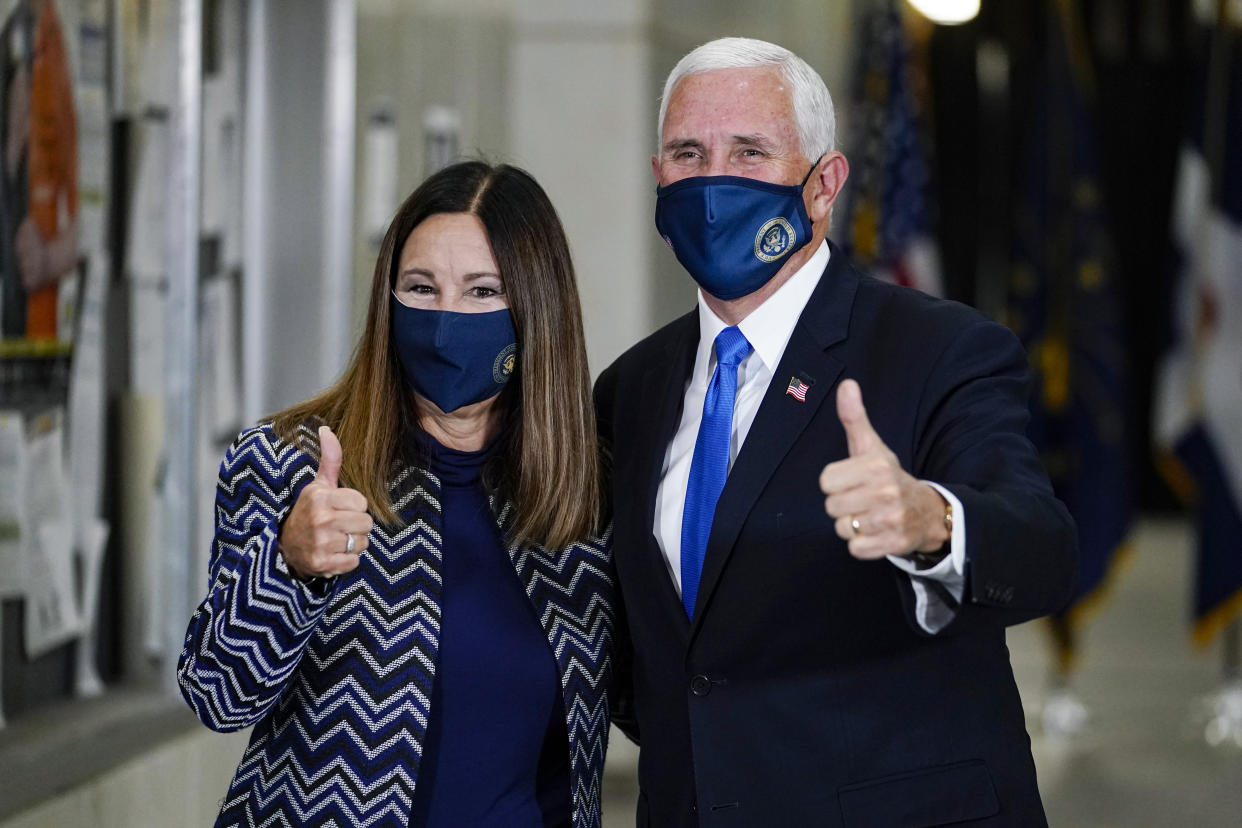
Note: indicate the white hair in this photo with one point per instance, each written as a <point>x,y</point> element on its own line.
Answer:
<point>812,105</point>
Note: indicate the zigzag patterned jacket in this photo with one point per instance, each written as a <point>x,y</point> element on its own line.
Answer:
<point>337,681</point>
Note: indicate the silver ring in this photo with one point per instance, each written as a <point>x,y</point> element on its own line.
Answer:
<point>856,526</point>
<point>349,544</point>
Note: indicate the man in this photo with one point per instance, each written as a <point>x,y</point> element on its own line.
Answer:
<point>816,589</point>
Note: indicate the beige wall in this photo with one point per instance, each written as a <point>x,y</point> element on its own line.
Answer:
<point>560,88</point>
<point>413,54</point>
<point>579,76</point>
<point>179,783</point>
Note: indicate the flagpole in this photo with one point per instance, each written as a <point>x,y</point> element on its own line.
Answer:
<point>992,274</point>
<point>1226,724</point>
<point>1215,151</point>
<point>1231,652</point>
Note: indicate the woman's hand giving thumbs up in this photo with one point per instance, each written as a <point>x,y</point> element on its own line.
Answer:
<point>327,528</point>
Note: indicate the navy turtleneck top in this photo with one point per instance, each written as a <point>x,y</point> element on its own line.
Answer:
<point>496,751</point>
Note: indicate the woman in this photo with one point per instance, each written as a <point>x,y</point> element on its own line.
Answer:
<point>410,597</point>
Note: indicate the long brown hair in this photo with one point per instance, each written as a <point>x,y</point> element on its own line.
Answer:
<point>548,464</point>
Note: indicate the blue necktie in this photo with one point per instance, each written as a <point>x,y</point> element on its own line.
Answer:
<point>710,465</point>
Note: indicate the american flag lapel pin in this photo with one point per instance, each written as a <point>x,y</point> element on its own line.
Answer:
<point>797,389</point>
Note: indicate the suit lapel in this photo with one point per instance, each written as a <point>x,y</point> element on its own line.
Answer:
<point>664,382</point>
<point>781,418</point>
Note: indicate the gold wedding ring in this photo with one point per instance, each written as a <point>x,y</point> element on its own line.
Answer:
<point>856,526</point>
<point>349,544</point>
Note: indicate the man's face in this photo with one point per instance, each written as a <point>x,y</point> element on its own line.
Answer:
<point>730,122</point>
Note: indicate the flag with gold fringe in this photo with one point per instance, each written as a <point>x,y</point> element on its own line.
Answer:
<point>888,220</point>
<point>1063,302</point>
<point>1198,404</point>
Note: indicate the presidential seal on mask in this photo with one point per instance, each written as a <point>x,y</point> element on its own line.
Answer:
<point>411,589</point>
<point>732,234</point>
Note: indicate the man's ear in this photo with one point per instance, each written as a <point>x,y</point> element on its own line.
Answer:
<point>827,180</point>
<point>655,169</point>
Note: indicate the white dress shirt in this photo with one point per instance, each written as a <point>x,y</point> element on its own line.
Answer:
<point>768,329</point>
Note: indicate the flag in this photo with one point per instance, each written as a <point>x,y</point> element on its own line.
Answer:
<point>1064,304</point>
<point>797,389</point>
<point>1197,415</point>
<point>888,222</point>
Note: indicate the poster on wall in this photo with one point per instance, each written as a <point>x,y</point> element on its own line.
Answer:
<point>54,166</point>
<point>38,179</point>
<point>12,504</point>
<point>52,614</point>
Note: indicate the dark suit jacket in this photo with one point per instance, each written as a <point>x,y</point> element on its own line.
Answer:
<point>804,692</point>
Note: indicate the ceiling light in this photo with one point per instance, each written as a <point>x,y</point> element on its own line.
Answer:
<point>947,12</point>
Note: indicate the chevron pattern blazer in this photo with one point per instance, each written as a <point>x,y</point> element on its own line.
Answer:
<point>337,681</point>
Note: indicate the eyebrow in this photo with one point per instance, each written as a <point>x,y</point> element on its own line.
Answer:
<point>752,140</point>
<point>469,277</point>
<point>684,143</point>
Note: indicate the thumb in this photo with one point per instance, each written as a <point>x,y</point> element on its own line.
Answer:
<point>329,457</point>
<point>858,431</point>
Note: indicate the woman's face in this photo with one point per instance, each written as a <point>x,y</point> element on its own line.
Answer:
<point>447,264</point>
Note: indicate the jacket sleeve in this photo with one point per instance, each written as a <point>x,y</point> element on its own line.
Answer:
<point>621,694</point>
<point>1021,544</point>
<point>246,638</point>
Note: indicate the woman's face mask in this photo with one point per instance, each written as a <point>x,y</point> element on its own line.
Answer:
<point>454,359</point>
<point>451,327</point>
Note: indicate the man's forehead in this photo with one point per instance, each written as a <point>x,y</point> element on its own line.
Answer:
<point>750,101</point>
<point>756,76</point>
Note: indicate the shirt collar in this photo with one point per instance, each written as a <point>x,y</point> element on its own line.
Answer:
<point>769,326</point>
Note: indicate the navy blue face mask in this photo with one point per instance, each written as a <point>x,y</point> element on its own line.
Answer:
<point>731,233</point>
<point>454,359</point>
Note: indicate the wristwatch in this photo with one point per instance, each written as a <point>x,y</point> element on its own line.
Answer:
<point>926,560</point>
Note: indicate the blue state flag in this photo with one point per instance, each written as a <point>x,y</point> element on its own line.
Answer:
<point>1197,415</point>
<point>1064,304</point>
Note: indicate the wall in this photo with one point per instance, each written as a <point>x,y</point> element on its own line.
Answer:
<point>559,88</point>
<point>304,285</point>
<point>580,85</point>
<point>181,782</point>
<point>415,55</point>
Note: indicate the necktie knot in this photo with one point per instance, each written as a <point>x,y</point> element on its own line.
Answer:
<point>731,347</point>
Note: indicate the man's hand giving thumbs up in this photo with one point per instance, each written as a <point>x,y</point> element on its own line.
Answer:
<point>880,510</point>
